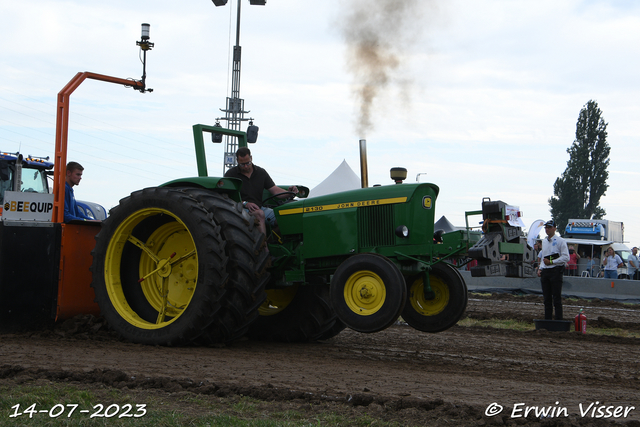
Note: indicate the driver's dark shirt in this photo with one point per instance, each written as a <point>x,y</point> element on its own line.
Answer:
<point>253,187</point>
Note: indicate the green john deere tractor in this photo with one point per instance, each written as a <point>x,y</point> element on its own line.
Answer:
<point>184,263</point>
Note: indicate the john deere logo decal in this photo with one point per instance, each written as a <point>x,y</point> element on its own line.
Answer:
<point>426,202</point>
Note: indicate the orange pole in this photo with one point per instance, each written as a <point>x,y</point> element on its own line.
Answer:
<point>62,133</point>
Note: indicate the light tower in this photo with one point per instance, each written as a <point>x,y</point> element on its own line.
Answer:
<point>234,109</point>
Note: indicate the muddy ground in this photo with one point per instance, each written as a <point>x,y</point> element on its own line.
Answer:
<point>457,377</point>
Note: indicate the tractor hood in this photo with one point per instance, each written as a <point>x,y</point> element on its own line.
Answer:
<point>363,219</point>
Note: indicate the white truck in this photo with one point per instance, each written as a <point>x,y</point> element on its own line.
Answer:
<point>591,238</point>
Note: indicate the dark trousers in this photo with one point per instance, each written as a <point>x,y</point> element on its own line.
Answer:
<point>551,281</point>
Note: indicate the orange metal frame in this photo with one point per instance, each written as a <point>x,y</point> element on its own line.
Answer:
<point>62,133</point>
<point>75,295</point>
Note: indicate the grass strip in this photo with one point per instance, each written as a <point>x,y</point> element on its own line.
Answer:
<point>518,325</point>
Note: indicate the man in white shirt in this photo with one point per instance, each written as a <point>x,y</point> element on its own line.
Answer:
<point>552,259</point>
<point>632,263</point>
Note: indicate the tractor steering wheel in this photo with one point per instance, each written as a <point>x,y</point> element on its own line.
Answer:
<point>292,194</point>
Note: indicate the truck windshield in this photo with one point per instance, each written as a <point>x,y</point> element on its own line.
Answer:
<point>34,181</point>
<point>6,181</point>
<point>624,255</point>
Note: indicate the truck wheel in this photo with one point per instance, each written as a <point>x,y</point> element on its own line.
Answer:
<point>299,313</point>
<point>368,292</point>
<point>244,245</point>
<point>159,268</point>
<point>445,309</point>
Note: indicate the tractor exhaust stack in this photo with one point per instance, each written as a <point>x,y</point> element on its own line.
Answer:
<point>364,175</point>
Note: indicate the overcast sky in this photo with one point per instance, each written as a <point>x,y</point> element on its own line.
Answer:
<point>481,96</point>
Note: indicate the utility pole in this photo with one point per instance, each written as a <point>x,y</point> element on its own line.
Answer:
<point>234,109</point>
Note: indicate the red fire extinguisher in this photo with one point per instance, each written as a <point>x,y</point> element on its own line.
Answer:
<point>581,322</point>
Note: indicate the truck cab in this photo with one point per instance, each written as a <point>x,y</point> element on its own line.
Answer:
<point>32,173</point>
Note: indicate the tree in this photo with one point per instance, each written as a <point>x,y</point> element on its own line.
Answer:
<point>578,191</point>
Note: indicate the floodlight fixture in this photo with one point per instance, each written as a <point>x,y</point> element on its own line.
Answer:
<point>144,42</point>
<point>145,31</point>
<point>258,2</point>
<point>219,2</point>
<point>145,45</point>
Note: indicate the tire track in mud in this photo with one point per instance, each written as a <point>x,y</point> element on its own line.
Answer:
<point>453,374</point>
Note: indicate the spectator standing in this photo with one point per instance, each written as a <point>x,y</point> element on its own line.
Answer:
<point>591,266</point>
<point>537,247</point>
<point>572,265</point>
<point>632,264</point>
<point>611,264</point>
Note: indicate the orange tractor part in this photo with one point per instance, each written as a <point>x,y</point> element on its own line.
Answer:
<point>75,294</point>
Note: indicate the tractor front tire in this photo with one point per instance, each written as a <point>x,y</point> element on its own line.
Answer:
<point>159,268</point>
<point>442,312</point>
<point>368,292</point>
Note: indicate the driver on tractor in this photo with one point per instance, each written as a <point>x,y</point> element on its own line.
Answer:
<point>254,180</point>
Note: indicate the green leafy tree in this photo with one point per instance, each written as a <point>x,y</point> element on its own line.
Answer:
<point>577,193</point>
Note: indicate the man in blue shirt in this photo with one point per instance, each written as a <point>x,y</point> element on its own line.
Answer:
<point>71,211</point>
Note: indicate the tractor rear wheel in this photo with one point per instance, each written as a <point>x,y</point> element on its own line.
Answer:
<point>335,330</point>
<point>368,292</point>
<point>247,267</point>
<point>442,312</point>
<point>159,268</point>
<point>299,313</point>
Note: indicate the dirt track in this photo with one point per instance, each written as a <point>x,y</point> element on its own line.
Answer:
<point>399,374</point>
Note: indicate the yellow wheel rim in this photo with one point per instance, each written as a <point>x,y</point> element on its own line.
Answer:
<point>429,307</point>
<point>168,269</point>
<point>277,300</point>
<point>365,293</point>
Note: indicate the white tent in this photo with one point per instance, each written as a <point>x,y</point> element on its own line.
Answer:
<point>444,224</point>
<point>341,179</point>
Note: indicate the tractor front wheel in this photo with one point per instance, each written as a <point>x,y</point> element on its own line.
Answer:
<point>368,292</point>
<point>441,312</point>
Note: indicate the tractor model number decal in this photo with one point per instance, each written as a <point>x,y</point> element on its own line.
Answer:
<point>346,205</point>
<point>426,202</point>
